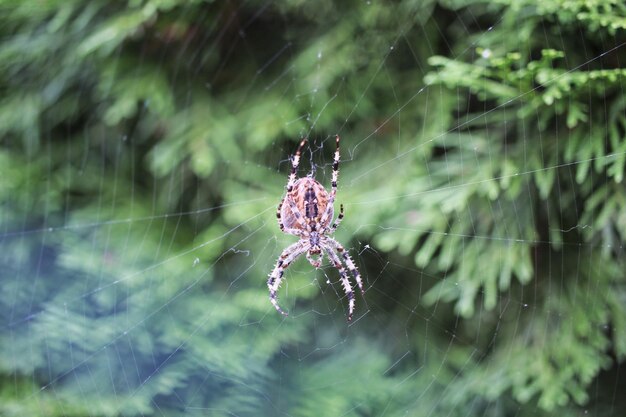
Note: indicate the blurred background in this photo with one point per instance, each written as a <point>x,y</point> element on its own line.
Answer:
<point>145,145</point>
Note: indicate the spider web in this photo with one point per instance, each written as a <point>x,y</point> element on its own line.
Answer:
<point>149,297</point>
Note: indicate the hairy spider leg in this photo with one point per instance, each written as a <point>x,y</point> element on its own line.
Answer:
<point>295,161</point>
<point>335,176</point>
<point>333,185</point>
<point>348,260</point>
<point>296,212</point>
<point>344,278</point>
<point>337,221</point>
<point>316,263</point>
<point>291,231</point>
<point>276,277</point>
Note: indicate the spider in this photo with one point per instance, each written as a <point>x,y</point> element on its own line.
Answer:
<point>307,211</point>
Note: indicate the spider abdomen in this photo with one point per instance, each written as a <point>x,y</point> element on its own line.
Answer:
<point>310,200</point>
<point>310,204</point>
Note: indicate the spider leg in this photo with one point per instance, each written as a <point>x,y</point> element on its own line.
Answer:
<point>335,177</point>
<point>344,278</point>
<point>348,260</point>
<point>333,184</point>
<point>291,231</point>
<point>296,213</point>
<point>276,277</point>
<point>316,263</point>
<point>337,220</point>
<point>295,161</point>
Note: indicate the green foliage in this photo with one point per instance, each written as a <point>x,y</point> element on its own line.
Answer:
<point>144,148</point>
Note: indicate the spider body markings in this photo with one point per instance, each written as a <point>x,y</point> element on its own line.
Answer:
<point>307,211</point>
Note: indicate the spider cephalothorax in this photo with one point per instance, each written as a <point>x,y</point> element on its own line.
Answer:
<point>307,211</point>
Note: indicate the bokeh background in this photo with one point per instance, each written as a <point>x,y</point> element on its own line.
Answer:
<point>145,145</point>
